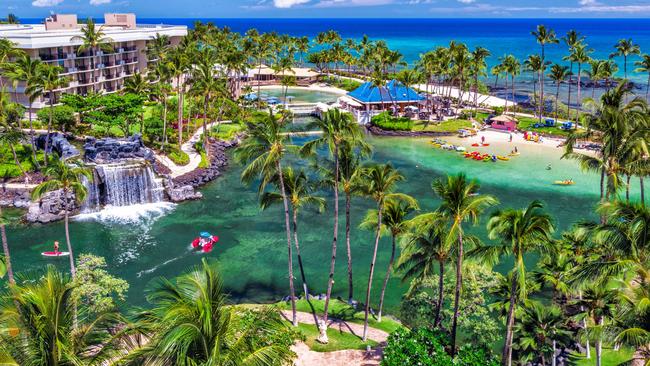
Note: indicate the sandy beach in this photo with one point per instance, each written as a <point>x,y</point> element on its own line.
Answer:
<point>488,100</point>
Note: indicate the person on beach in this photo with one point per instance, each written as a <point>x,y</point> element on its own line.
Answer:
<point>482,139</point>
<point>510,137</point>
<point>56,246</point>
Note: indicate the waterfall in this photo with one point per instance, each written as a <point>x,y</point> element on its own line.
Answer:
<point>122,184</point>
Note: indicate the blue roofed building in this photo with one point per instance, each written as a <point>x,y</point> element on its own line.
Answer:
<point>368,100</point>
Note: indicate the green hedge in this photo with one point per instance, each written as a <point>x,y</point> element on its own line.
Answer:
<point>178,157</point>
<point>387,122</point>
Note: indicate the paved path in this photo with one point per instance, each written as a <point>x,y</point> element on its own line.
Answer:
<point>18,186</point>
<point>188,148</point>
<point>307,357</point>
<point>340,325</point>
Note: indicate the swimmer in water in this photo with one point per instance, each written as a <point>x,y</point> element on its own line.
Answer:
<point>548,167</point>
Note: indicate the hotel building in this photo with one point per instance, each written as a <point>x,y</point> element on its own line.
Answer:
<point>55,42</point>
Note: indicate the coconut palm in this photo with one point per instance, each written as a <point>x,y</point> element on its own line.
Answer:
<point>67,178</point>
<point>543,36</point>
<point>93,39</point>
<point>595,74</point>
<point>138,85</point>
<point>534,64</point>
<point>49,81</point>
<point>158,48</point>
<point>625,48</point>
<point>461,202</point>
<point>409,78</point>
<point>478,67</point>
<point>6,259</point>
<point>580,56</point>
<point>541,328</point>
<point>191,324</point>
<point>25,69</point>
<point>162,75</point>
<point>572,40</point>
<point>178,65</point>
<point>41,312</point>
<point>512,67</point>
<point>338,128</point>
<point>205,84</point>
<point>394,221</point>
<point>634,318</point>
<point>380,182</point>
<point>554,271</point>
<point>263,151</point>
<point>596,304</point>
<point>558,74</point>
<point>427,244</point>
<point>644,66</point>
<point>520,232</point>
<point>300,193</point>
<point>7,50</point>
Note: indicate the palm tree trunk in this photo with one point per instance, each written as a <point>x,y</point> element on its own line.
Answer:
<point>459,284</point>
<point>441,293</point>
<point>579,94</point>
<point>164,140</point>
<point>627,188</point>
<point>330,281</point>
<point>31,135</point>
<point>506,357</point>
<point>383,289</point>
<point>557,103</point>
<point>647,88</point>
<point>602,184</point>
<point>568,106</point>
<point>553,357</point>
<point>206,146</point>
<point>584,326</point>
<point>599,345</point>
<point>22,170</point>
<point>295,241</point>
<point>642,189</point>
<point>348,200</point>
<point>372,270</point>
<point>73,270</point>
<point>180,112</point>
<point>259,86</point>
<point>287,227</point>
<point>49,129</point>
<point>5,248</point>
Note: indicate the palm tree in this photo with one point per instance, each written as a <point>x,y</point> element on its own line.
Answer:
<point>68,179</point>
<point>644,66</point>
<point>50,80</point>
<point>478,67</point>
<point>534,64</point>
<point>41,311</point>
<point>541,328</point>
<point>394,221</point>
<point>512,68</point>
<point>580,56</point>
<point>93,39</point>
<point>634,318</point>
<point>543,36</point>
<point>460,202</point>
<point>558,74</point>
<point>572,39</point>
<point>300,193</point>
<point>625,48</point>
<point>7,50</point>
<point>26,69</point>
<point>427,244</point>
<point>597,302</point>
<point>178,65</point>
<point>264,150</point>
<point>5,248</point>
<point>595,74</point>
<point>158,48</point>
<point>381,181</point>
<point>191,324</point>
<point>409,78</point>
<point>162,73</point>
<point>520,232</point>
<point>204,83</point>
<point>338,128</point>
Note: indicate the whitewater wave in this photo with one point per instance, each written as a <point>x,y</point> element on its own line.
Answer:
<point>133,214</point>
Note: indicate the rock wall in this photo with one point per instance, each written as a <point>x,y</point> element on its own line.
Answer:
<point>58,143</point>
<point>51,207</point>
<point>380,132</point>
<point>19,198</point>
<point>107,150</point>
<point>218,162</point>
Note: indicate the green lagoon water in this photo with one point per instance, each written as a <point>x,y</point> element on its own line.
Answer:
<point>252,249</point>
<point>298,95</point>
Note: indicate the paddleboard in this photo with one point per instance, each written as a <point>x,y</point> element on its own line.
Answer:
<point>55,254</point>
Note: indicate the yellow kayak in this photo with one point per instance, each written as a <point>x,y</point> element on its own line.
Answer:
<point>564,183</point>
<point>504,158</point>
<point>513,154</point>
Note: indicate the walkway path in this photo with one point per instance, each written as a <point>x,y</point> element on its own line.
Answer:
<point>188,148</point>
<point>307,357</point>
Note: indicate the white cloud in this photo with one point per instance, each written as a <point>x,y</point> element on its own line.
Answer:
<point>285,3</point>
<point>46,3</point>
<point>333,3</point>
<point>466,1</point>
<point>99,2</point>
<point>588,2</point>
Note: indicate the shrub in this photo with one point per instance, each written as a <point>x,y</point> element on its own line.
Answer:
<point>178,156</point>
<point>387,122</point>
<point>420,346</point>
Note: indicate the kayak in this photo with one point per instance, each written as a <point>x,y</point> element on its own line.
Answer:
<point>513,154</point>
<point>55,254</point>
<point>564,183</point>
<point>504,158</point>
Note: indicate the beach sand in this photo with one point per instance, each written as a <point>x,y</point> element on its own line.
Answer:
<point>488,100</point>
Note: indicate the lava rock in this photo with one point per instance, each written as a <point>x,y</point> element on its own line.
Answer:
<point>51,207</point>
<point>109,150</point>
<point>183,193</point>
<point>57,142</point>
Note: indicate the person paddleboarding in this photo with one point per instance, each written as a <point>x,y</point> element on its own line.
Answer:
<point>56,246</point>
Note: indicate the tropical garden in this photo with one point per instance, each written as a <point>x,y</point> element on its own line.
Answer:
<point>585,300</point>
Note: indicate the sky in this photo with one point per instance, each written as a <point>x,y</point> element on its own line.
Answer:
<point>335,8</point>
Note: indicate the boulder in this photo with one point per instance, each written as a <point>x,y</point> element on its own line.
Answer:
<point>51,207</point>
<point>58,143</point>
<point>183,193</point>
<point>108,150</point>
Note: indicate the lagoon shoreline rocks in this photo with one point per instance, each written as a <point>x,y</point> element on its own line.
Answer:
<point>381,132</point>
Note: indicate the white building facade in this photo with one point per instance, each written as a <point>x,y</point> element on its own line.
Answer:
<point>55,42</point>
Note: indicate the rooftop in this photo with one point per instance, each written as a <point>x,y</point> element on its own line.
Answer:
<point>393,92</point>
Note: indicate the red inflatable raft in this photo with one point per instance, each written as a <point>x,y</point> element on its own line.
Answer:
<point>205,244</point>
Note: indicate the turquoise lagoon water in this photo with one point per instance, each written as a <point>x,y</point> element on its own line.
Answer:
<point>298,95</point>
<point>252,248</point>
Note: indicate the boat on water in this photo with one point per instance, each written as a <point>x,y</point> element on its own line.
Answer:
<point>205,242</point>
<point>55,254</point>
<point>567,182</point>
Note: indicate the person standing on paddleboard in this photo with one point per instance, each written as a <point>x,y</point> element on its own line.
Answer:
<point>56,246</point>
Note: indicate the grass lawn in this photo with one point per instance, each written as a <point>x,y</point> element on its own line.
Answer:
<point>446,126</point>
<point>610,357</point>
<point>226,131</point>
<point>526,124</point>
<point>341,310</point>
<point>337,340</point>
